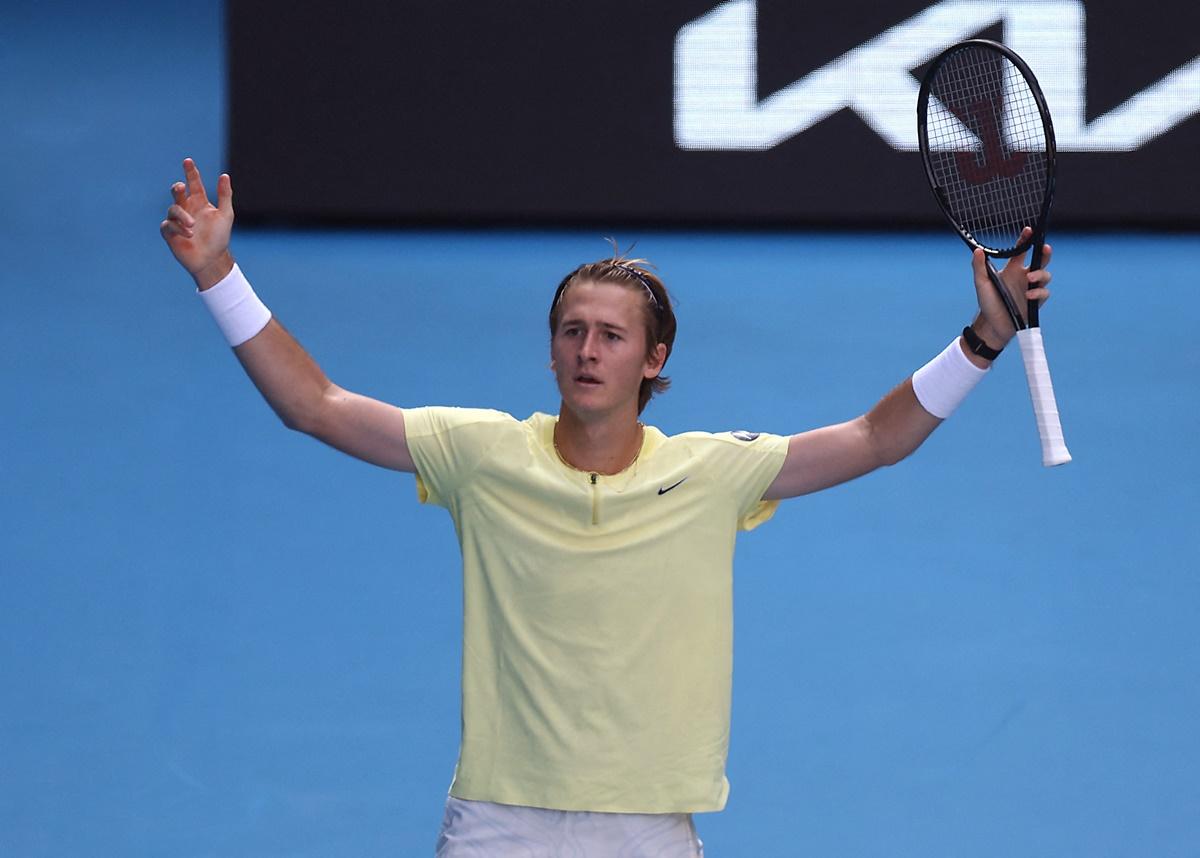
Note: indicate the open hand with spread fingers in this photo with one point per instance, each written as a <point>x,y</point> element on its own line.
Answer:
<point>197,231</point>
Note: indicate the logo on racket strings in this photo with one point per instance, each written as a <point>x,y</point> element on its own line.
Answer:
<point>998,162</point>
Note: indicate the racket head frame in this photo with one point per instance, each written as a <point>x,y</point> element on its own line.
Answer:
<point>1039,227</point>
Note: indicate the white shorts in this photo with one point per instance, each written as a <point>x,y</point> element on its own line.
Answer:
<point>484,829</point>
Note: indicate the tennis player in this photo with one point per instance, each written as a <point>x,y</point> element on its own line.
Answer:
<point>597,551</point>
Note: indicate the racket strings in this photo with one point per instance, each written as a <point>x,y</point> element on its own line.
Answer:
<point>987,146</point>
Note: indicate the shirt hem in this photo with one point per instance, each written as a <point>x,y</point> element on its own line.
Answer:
<point>526,799</point>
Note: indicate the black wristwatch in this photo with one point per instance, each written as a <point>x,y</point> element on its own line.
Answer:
<point>977,346</point>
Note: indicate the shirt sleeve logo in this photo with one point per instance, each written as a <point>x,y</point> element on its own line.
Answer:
<point>743,435</point>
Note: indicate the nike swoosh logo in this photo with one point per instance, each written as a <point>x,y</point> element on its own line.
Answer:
<point>662,491</point>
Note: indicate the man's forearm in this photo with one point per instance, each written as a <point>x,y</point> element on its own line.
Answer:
<point>285,374</point>
<point>898,424</point>
<point>903,419</point>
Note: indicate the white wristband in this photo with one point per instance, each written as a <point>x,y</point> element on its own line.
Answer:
<point>236,309</point>
<point>943,383</point>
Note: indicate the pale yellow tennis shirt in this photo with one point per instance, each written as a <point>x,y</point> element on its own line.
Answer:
<point>598,610</point>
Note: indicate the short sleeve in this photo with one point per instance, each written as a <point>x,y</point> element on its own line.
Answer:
<point>761,512</point>
<point>746,463</point>
<point>447,445</point>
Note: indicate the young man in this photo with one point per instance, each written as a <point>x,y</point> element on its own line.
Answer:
<point>597,552</point>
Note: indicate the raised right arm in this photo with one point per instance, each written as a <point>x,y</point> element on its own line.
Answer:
<point>288,378</point>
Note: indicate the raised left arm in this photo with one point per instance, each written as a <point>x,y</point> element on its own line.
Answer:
<point>831,455</point>
<point>898,424</point>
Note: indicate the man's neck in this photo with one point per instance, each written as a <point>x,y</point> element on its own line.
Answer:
<point>605,446</point>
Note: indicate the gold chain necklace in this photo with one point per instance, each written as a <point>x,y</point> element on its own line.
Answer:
<point>563,459</point>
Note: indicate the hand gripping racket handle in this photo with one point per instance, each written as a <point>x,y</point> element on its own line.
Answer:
<point>1041,391</point>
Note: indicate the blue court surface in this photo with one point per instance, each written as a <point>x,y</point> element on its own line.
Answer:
<point>219,638</point>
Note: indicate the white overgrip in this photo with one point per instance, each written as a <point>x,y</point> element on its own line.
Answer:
<point>1041,392</point>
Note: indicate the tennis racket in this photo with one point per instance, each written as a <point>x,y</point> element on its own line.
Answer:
<point>988,147</point>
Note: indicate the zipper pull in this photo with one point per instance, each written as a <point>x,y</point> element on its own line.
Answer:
<point>595,499</point>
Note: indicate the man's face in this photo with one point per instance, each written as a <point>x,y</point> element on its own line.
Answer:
<point>598,351</point>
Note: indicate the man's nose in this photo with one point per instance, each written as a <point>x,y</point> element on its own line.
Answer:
<point>588,348</point>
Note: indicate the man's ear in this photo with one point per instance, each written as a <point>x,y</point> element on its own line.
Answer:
<point>656,361</point>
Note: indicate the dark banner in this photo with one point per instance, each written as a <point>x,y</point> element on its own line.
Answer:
<point>735,113</point>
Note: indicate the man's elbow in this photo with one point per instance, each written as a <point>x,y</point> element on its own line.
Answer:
<point>296,422</point>
<point>302,417</point>
<point>886,448</point>
<point>893,455</point>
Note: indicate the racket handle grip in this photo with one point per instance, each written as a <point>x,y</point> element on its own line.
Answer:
<point>1041,391</point>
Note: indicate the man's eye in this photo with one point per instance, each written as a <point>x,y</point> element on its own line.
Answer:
<point>613,336</point>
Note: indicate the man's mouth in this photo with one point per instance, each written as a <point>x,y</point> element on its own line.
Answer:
<point>587,379</point>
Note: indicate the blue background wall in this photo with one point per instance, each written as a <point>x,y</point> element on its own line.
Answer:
<point>220,638</point>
